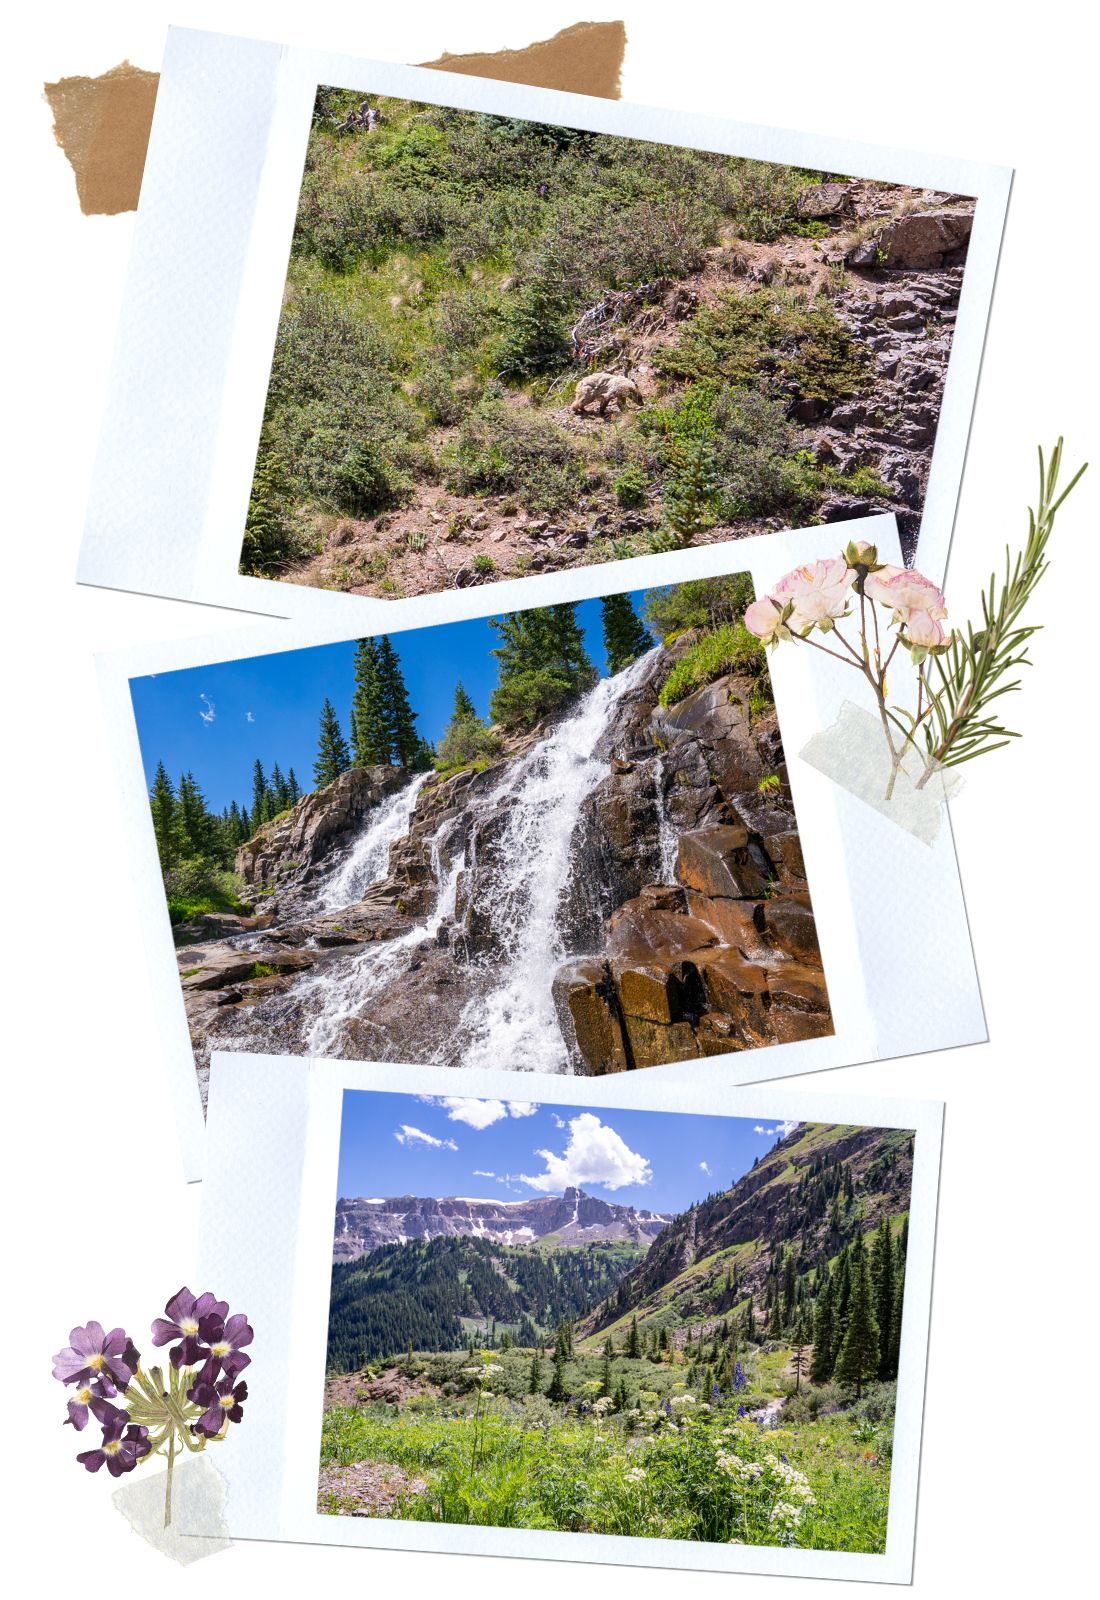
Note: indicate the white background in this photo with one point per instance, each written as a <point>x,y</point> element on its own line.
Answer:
<point>97,1221</point>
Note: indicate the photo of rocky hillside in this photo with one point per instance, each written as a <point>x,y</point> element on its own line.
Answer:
<point>510,347</point>
<point>703,1342</point>
<point>562,838</point>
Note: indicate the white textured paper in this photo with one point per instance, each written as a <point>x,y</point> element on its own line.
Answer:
<point>266,1243</point>
<point>211,244</point>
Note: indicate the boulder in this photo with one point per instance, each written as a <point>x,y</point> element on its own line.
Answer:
<point>821,201</point>
<point>639,932</point>
<point>737,989</point>
<point>789,924</point>
<point>797,987</point>
<point>222,967</point>
<point>588,1014</point>
<point>721,862</point>
<point>734,921</point>
<point>923,239</point>
<point>284,849</point>
<point>653,1044</point>
<point>785,850</point>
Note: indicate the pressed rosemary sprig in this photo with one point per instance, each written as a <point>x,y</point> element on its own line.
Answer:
<point>957,725</point>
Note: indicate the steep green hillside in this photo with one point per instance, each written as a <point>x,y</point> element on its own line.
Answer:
<point>783,1246</point>
<point>437,1295</point>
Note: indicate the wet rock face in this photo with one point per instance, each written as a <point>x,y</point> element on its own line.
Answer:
<point>280,856</point>
<point>725,957</point>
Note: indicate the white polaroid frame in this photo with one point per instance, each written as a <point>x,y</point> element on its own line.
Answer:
<point>889,909</point>
<point>279,1186</point>
<point>200,311</point>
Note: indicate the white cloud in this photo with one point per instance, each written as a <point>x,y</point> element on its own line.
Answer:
<point>208,714</point>
<point>248,717</point>
<point>407,1135</point>
<point>782,1129</point>
<point>704,1168</point>
<point>481,1113</point>
<point>480,1172</point>
<point>594,1153</point>
<point>559,1122</point>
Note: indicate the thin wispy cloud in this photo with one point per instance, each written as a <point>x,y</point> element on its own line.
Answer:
<point>781,1128</point>
<point>208,714</point>
<point>703,1167</point>
<point>248,717</point>
<point>406,1134</point>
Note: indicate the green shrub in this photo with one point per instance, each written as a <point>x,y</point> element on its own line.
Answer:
<point>730,648</point>
<point>794,346</point>
<point>699,603</point>
<point>630,486</point>
<point>526,697</point>
<point>498,449</point>
<point>196,888</point>
<point>466,740</point>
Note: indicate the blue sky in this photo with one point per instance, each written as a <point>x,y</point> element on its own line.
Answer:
<point>214,721</point>
<point>394,1144</point>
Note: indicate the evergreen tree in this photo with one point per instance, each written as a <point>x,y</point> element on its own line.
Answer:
<point>280,794</point>
<point>371,739</point>
<point>400,719</point>
<point>423,756</point>
<point>259,795</point>
<point>750,1322</point>
<point>625,635</point>
<point>464,708</point>
<point>605,1375</point>
<point>293,787</point>
<point>633,1346</point>
<point>333,755</point>
<point>557,1390</point>
<point>774,1326</point>
<point>801,1340</point>
<point>534,1377</point>
<point>821,1366</point>
<point>882,1278</point>
<point>167,828</point>
<point>858,1358</point>
<point>543,665</point>
<point>622,1399</point>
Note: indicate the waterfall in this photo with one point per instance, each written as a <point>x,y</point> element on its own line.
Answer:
<point>520,871</point>
<point>344,995</point>
<point>515,1024</point>
<point>369,856</point>
<point>668,840</point>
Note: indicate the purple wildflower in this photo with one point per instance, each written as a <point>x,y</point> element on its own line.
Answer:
<point>92,1397</point>
<point>94,1355</point>
<point>221,1404</point>
<point>122,1447</point>
<point>186,1312</point>
<point>738,1377</point>
<point>666,1406</point>
<point>715,1394</point>
<point>741,1412</point>
<point>224,1338</point>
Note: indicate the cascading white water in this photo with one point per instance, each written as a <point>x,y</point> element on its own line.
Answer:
<point>540,795</point>
<point>515,1024</point>
<point>344,995</point>
<point>368,858</point>
<point>668,840</point>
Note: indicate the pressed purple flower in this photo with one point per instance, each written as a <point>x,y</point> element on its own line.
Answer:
<point>92,1354</point>
<point>222,1403</point>
<point>186,1312</point>
<point>122,1447</point>
<point>224,1338</point>
<point>90,1397</point>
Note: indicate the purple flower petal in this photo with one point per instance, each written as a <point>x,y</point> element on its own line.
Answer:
<point>91,1460</point>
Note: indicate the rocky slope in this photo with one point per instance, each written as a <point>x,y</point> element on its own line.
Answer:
<point>650,906</point>
<point>572,1218</point>
<point>784,1203</point>
<point>891,264</point>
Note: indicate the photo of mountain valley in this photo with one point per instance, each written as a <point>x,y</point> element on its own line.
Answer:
<point>563,837</point>
<point>655,1324</point>
<point>509,347</point>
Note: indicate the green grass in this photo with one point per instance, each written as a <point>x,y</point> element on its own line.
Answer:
<point>728,648</point>
<point>510,1459</point>
<point>220,896</point>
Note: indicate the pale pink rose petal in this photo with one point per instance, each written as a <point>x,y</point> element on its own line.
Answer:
<point>763,617</point>
<point>905,591</point>
<point>818,590</point>
<point>921,627</point>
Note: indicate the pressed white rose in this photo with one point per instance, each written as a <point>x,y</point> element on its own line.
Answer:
<point>904,591</point>
<point>818,592</point>
<point>764,618</point>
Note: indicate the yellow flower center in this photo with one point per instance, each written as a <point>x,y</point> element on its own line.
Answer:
<point>84,1395</point>
<point>226,1402</point>
<point>221,1349</point>
<point>112,1448</point>
<point>95,1362</point>
<point>189,1326</point>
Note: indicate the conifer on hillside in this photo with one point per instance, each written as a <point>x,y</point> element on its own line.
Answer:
<point>625,635</point>
<point>333,755</point>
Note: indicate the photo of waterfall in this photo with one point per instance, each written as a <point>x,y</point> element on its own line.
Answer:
<point>560,840</point>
